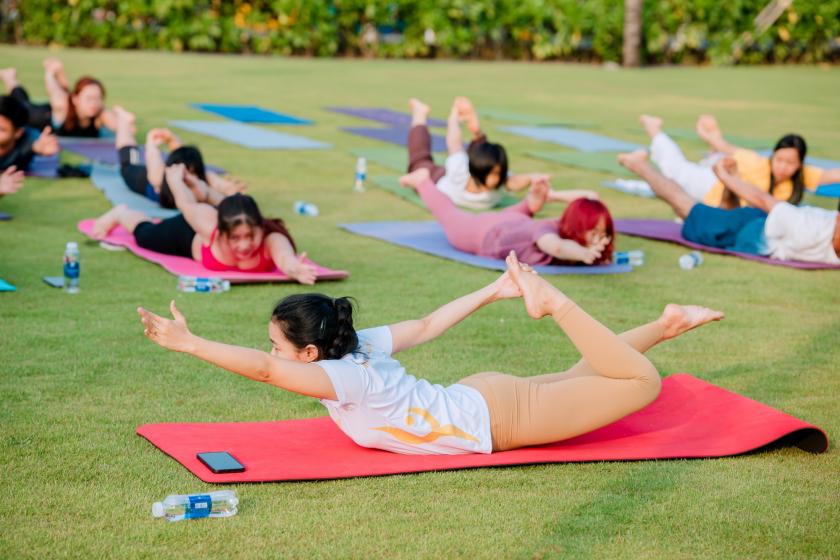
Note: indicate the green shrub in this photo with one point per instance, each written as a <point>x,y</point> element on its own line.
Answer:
<point>675,31</point>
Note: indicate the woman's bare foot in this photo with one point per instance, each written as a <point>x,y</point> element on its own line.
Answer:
<point>677,319</point>
<point>125,119</point>
<point>467,114</point>
<point>9,78</point>
<point>107,221</point>
<point>541,298</point>
<point>415,178</point>
<point>651,124</point>
<point>708,128</point>
<point>537,196</point>
<point>419,111</point>
<point>634,161</point>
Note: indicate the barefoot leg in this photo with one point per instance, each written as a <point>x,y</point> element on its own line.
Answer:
<point>118,215</point>
<point>126,128</point>
<point>419,111</point>
<point>665,188</point>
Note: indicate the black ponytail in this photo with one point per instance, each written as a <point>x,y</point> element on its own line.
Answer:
<point>319,320</point>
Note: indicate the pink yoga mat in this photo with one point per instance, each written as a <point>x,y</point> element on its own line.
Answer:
<point>690,419</point>
<point>663,230</point>
<point>188,267</point>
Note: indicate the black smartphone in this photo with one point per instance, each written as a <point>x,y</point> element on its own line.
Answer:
<point>221,462</point>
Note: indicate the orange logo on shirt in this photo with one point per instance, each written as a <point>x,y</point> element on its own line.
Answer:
<point>438,431</point>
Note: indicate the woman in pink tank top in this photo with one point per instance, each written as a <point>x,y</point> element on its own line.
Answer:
<point>231,236</point>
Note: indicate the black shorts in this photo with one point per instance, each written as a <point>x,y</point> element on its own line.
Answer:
<point>40,114</point>
<point>172,236</point>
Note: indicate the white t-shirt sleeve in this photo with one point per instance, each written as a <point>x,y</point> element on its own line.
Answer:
<point>377,339</point>
<point>801,233</point>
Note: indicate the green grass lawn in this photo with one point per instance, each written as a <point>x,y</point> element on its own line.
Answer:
<point>78,377</point>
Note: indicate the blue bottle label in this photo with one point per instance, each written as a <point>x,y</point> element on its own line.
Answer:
<point>199,506</point>
<point>71,269</point>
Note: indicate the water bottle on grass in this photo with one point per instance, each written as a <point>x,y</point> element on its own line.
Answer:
<point>633,258</point>
<point>175,507</point>
<point>361,174</point>
<point>71,268</point>
<point>305,208</point>
<point>691,260</point>
<point>203,285</point>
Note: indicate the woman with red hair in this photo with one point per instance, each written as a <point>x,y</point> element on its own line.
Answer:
<point>77,112</point>
<point>584,234</point>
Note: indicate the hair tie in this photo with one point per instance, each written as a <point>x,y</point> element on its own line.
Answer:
<point>322,330</point>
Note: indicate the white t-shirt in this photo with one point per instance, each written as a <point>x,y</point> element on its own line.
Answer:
<point>381,406</point>
<point>801,233</point>
<point>454,185</point>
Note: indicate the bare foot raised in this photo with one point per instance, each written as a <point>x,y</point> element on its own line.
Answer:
<point>537,196</point>
<point>651,124</point>
<point>124,117</point>
<point>634,161</point>
<point>106,222</point>
<point>541,298</point>
<point>9,78</point>
<point>677,319</point>
<point>708,128</point>
<point>419,111</point>
<point>468,115</point>
<point>415,178</point>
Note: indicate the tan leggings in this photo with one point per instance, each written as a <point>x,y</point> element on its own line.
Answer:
<point>613,379</point>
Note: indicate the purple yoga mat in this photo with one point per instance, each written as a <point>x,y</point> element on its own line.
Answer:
<point>398,136</point>
<point>662,230</point>
<point>43,166</point>
<point>103,151</point>
<point>382,115</point>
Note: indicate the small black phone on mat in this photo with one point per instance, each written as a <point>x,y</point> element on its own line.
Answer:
<point>221,462</point>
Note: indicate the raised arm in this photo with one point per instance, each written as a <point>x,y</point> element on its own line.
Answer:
<point>408,334</point>
<point>298,377</point>
<point>727,171</point>
<point>570,250</point>
<point>202,217</point>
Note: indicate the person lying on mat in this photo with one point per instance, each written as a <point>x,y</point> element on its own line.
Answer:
<point>783,175</point>
<point>148,178</point>
<point>19,144</point>
<point>316,352</point>
<point>80,112</point>
<point>231,236</point>
<point>583,234</point>
<point>472,178</point>
<point>768,227</point>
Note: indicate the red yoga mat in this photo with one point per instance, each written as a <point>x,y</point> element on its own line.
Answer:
<point>690,419</point>
<point>188,267</point>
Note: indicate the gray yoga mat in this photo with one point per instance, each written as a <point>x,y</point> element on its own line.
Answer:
<point>528,119</point>
<point>577,139</point>
<point>250,136</point>
<point>428,237</point>
<point>108,180</point>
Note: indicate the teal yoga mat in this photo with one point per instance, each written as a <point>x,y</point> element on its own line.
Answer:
<point>249,136</point>
<point>250,114</point>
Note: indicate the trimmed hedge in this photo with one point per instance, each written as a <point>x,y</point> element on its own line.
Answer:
<point>678,31</point>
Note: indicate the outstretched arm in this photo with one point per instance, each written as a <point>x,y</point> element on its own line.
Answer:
<point>284,257</point>
<point>830,176</point>
<point>298,377</point>
<point>415,332</point>
<point>727,172</point>
<point>570,250</point>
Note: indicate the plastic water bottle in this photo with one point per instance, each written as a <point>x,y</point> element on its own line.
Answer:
<point>176,507</point>
<point>305,208</point>
<point>361,174</point>
<point>633,258</point>
<point>691,260</point>
<point>204,285</point>
<point>71,268</point>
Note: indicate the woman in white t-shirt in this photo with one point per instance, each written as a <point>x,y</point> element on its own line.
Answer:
<point>767,227</point>
<point>475,177</point>
<point>317,352</point>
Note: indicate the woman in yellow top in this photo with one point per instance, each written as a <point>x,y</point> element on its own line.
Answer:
<point>783,174</point>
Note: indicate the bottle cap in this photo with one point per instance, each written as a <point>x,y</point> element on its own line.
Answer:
<point>157,509</point>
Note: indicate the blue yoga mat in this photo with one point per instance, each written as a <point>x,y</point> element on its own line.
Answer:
<point>108,180</point>
<point>428,237</point>
<point>832,191</point>
<point>5,217</point>
<point>250,136</point>
<point>250,114</point>
<point>578,139</point>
